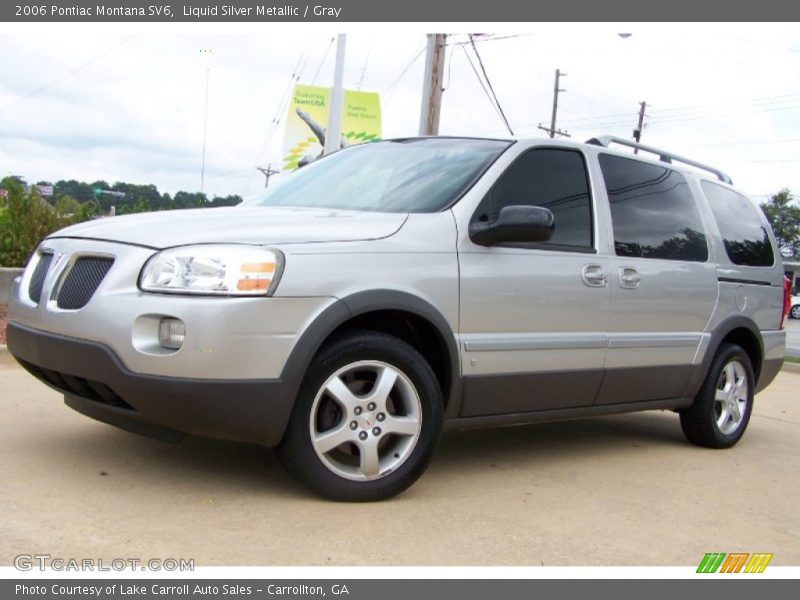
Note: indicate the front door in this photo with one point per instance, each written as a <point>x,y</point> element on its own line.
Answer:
<point>534,317</point>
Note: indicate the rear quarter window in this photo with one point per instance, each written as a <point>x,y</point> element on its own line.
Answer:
<point>743,233</point>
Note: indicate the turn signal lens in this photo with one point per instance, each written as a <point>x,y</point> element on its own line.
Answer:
<point>256,277</point>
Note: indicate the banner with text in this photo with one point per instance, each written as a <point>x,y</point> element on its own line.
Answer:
<point>308,119</point>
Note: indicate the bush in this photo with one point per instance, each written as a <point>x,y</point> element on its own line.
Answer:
<point>25,220</point>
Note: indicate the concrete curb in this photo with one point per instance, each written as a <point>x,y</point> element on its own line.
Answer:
<point>7,275</point>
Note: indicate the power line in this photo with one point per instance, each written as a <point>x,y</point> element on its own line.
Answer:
<point>403,72</point>
<point>68,74</point>
<point>614,116</point>
<point>297,72</point>
<point>483,85</point>
<point>767,104</point>
<point>366,62</point>
<point>322,62</point>
<point>758,100</point>
<point>750,143</point>
<point>449,62</point>
<point>489,83</point>
<point>688,113</point>
<point>490,38</point>
<point>305,62</point>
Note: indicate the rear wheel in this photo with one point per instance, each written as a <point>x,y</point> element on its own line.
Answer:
<point>721,410</point>
<point>366,420</point>
<point>795,312</point>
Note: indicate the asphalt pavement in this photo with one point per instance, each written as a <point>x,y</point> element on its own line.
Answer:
<point>616,490</point>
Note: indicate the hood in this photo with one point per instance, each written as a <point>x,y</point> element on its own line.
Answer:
<point>251,225</point>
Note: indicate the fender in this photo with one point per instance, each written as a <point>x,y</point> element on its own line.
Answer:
<point>343,310</point>
<point>720,331</point>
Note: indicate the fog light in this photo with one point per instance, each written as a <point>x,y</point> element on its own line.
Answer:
<point>171,333</point>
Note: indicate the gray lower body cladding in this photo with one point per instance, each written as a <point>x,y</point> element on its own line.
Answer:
<point>560,390</point>
<point>96,383</point>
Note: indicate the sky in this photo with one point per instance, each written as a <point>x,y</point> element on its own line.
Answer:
<point>93,101</point>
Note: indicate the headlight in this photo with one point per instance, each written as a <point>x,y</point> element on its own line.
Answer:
<point>224,270</point>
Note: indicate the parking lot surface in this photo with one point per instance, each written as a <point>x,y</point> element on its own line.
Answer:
<point>618,490</point>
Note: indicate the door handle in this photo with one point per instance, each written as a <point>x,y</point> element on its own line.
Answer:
<point>629,278</point>
<point>594,276</point>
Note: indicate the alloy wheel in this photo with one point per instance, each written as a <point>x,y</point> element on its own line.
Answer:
<point>365,420</point>
<point>731,397</point>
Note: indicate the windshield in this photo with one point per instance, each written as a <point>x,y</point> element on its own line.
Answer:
<point>416,175</point>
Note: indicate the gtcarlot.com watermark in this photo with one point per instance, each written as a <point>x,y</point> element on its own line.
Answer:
<point>42,562</point>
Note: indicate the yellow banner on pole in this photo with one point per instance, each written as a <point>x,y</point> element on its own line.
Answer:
<point>308,117</point>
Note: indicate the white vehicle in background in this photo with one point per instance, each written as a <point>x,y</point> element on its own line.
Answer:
<point>794,312</point>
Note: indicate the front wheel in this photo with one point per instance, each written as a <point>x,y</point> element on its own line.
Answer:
<point>795,312</point>
<point>366,420</point>
<point>721,410</point>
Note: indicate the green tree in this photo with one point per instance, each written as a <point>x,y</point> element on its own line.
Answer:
<point>26,220</point>
<point>67,208</point>
<point>79,190</point>
<point>231,200</point>
<point>784,216</point>
<point>190,200</point>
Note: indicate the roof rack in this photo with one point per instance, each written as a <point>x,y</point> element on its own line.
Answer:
<point>667,157</point>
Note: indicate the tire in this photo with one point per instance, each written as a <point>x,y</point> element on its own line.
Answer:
<point>721,410</point>
<point>795,312</point>
<point>366,421</point>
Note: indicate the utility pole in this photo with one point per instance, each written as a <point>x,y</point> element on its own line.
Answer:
<point>637,133</point>
<point>552,129</point>
<point>333,134</point>
<point>433,80</point>
<point>268,172</point>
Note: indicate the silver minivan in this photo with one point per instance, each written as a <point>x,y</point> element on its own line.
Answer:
<point>396,289</point>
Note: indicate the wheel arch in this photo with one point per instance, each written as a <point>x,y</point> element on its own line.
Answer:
<point>396,312</point>
<point>738,330</point>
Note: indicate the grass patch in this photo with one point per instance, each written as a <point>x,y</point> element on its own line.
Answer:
<point>792,359</point>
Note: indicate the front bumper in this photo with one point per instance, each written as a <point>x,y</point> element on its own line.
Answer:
<point>226,338</point>
<point>95,382</point>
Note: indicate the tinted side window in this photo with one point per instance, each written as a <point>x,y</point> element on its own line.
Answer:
<point>743,233</point>
<point>553,179</point>
<point>653,213</point>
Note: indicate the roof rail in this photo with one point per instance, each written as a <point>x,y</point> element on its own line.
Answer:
<point>667,157</point>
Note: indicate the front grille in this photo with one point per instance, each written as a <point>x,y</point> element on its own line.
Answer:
<point>39,273</point>
<point>82,281</point>
<point>70,384</point>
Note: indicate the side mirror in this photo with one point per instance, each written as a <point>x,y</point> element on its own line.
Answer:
<point>518,223</point>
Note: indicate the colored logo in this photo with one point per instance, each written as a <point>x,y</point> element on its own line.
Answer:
<point>735,562</point>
